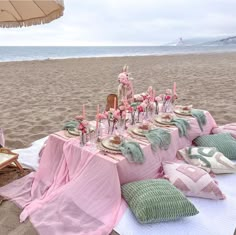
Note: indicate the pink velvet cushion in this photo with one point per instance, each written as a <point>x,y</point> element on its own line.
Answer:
<point>192,181</point>
<point>228,128</point>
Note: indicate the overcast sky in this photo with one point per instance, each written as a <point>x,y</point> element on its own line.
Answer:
<point>129,22</point>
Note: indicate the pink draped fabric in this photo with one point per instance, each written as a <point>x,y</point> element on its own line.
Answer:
<point>77,191</point>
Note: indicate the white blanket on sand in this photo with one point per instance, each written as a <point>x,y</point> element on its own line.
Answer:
<point>215,217</point>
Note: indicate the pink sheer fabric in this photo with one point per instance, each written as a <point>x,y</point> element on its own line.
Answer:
<point>2,139</point>
<point>228,128</point>
<point>76,191</point>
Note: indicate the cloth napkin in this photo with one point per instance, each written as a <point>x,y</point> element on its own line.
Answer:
<point>200,116</point>
<point>132,151</point>
<point>182,125</point>
<point>70,124</point>
<point>159,138</point>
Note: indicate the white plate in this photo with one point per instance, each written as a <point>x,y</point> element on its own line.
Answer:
<point>74,131</point>
<point>107,144</point>
<point>161,121</point>
<point>181,112</point>
<point>137,131</point>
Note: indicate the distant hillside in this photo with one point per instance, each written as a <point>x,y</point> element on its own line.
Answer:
<point>224,41</point>
<point>210,41</point>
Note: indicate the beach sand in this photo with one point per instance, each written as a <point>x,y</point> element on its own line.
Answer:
<point>38,97</point>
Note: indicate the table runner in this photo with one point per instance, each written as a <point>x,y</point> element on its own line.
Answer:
<point>77,191</point>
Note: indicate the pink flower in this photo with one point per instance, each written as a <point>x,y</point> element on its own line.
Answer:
<point>130,109</point>
<point>138,98</point>
<point>151,105</point>
<point>123,115</point>
<point>145,97</point>
<point>168,97</point>
<point>158,99</point>
<point>80,126</point>
<point>117,114</point>
<point>144,104</point>
<point>106,114</point>
<point>140,109</point>
<point>79,117</point>
<point>122,107</point>
<point>150,89</point>
<point>168,92</point>
<point>123,78</point>
<point>85,123</point>
<point>101,116</point>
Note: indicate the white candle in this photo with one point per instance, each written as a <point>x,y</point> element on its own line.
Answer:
<point>174,88</point>
<point>83,111</point>
<point>97,116</point>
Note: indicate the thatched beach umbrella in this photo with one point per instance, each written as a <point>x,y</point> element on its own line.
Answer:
<point>18,13</point>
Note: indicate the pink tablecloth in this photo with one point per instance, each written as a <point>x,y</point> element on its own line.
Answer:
<point>77,191</point>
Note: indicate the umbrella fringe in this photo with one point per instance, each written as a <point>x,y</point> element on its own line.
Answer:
<point>52,16</point>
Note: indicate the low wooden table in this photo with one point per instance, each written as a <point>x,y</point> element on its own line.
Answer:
<point>7,157</point>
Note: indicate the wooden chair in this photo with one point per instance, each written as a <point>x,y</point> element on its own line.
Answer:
<point>7,157</point>
<point>110,101</point>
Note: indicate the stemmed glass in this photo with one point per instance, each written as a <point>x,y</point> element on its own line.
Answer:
<point>93,140</point>
<point>120,126</point>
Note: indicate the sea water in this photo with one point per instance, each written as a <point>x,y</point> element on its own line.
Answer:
<point>22,53</point>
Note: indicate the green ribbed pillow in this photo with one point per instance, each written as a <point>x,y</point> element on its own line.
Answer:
<point>156,200</point>
<point>224,142</point>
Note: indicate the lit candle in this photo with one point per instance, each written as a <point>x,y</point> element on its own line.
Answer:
<point>114,103</point>
<point>83,111</point>
<point>174,88</point>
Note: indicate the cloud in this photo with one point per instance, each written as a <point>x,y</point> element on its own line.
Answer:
<point>129,22</point>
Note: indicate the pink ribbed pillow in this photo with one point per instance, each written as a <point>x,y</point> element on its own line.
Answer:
<point>192,181</point>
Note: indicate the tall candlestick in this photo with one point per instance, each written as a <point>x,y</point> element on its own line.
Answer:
<point>83,111</point>
<point>174,88</point>
<point>154,95</point>
<point>97,118</point>
<point>114,103</point>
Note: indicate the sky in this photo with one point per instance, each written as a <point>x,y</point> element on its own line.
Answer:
<point>128,22</point>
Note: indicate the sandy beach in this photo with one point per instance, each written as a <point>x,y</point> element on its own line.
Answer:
<point>38,97</point>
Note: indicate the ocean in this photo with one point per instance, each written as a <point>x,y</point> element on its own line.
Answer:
<point>12,53</point>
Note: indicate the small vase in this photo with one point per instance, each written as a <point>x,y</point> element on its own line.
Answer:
<point>132,118</point>
<point>157,108</point>
<point>82,139</point>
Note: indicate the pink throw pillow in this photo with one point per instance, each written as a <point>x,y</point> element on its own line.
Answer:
<point>228,128</point>
<point>192,181</point>
<point>2,139</point>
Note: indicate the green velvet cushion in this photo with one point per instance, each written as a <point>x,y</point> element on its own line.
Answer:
<point>156,200</point>
<point>224,142</point>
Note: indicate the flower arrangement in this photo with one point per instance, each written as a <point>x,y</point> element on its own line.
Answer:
<point>168,101</point>
<point>147,106</point>
<point>84,127</point>
<point>157,99</point>
<point>113,115</point>
<point>125,87</point>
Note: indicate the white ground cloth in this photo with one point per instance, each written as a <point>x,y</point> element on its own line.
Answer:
<point>29,157</point>
<point>214,218</point>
